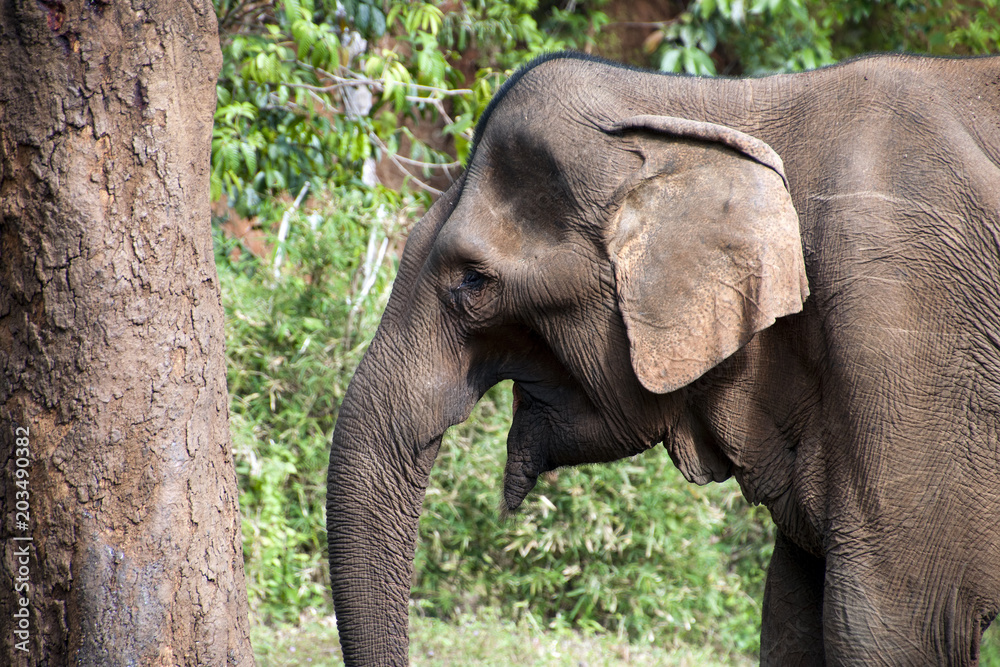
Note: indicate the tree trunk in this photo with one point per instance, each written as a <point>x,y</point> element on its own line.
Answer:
<point>120,526</point>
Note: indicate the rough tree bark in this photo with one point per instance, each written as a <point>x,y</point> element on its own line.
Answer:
<point>114,434</point>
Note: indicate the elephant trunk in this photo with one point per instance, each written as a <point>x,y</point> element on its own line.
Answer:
<point>387,436</point>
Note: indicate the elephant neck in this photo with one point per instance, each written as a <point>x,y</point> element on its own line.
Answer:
<point>751,412</point>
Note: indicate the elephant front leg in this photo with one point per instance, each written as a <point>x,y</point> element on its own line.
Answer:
<point>792,625</point>
<point>899,607</point>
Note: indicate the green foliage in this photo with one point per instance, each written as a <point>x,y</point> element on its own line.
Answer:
<point>923,26</point>
<point>292,346</point>
<point>760,36</point>
<point>764,36</point>
<point>293,93</point>
<point>990,656</point>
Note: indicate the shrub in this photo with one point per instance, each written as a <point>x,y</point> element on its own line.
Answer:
<point>292,345</point>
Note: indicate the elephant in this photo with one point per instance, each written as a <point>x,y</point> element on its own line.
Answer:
<point>793,280</point>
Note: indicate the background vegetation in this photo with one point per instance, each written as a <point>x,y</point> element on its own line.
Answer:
<point>337,123</point>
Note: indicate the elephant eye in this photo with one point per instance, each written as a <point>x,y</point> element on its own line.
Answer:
<point>472,280</point>
<point>468,297</point>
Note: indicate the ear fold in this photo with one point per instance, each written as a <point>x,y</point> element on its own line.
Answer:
<point>705,247</point>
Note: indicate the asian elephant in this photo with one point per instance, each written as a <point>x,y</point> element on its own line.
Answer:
<point>793,280</point>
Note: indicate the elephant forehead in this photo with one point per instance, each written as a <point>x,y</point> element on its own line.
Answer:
<point>560,152</point>
<point>493,221</point>
<point>480,227</point>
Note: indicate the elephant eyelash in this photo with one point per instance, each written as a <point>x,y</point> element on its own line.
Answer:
<point>472,280</point>
<point>465,297</point>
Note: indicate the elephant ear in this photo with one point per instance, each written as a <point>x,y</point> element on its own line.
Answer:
<point>705,246</point>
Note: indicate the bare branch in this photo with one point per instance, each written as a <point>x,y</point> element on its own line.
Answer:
<point>379,84</point>
<point>429,165</point>
<point>442,91</point>
<point>643,24</point>
<point>395,160</point>
<point>438,104</point>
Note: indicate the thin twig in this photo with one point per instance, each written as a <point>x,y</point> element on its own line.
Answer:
<point>442,91</point>
<point>369,272</point>
<point>434,191</point>
<point>439,105</point>
<point>325,104</point>
<point>429,165</point>
<point>379,85</point>
<point>279,253</point>
<point>358,80</point>
<point>643,24</point>
<point>326,89</point>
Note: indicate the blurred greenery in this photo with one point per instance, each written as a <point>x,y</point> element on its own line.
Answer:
<point>485,639</point>
<point>490,639</point>
<point>291,349</point>
<point>312,96</point>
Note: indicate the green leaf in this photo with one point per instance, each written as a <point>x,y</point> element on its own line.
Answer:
<point>363,18</point>
<point>378,23</point>
<point>304,33</point>
<point>249,157</point>
<point>394,12</point>
<point>231,156</point>
<point>312,323</point>
<point>670,61</point>
<point>293,11</point>
<point>697,62</point>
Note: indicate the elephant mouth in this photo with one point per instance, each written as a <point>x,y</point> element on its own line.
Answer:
<point>518,398</point>
<point>525,459</point>
<point>529,441</point>
<point>552,422</point>
<point>555,424</point>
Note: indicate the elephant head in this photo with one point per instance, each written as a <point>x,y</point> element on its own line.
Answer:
<point>597,252</point>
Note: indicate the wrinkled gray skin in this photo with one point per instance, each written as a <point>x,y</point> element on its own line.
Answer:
<point>639,276</point>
